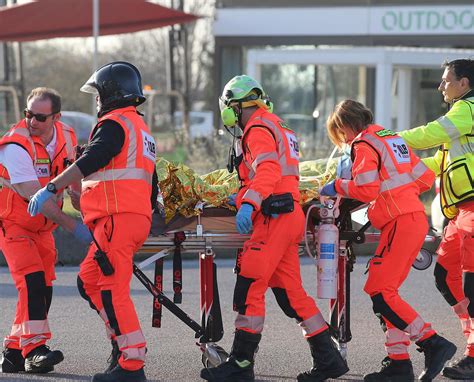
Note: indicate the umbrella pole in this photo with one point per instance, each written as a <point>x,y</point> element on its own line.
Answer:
<point>95,34</point>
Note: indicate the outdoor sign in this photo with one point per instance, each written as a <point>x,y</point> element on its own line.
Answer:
<point>343,21</point>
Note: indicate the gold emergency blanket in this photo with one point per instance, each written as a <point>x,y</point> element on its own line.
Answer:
<point>183,190</point>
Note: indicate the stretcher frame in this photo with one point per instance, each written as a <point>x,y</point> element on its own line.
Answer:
<point>203,242</point>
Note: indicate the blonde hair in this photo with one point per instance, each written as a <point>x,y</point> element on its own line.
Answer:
<point>347,114</point>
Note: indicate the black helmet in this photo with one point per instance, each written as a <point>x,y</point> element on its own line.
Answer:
<point>118,84</point>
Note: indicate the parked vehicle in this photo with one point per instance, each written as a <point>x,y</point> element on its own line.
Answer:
<point>82,123</point>
<point>201,123</point>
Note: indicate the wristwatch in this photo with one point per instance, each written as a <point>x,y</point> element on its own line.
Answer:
<point>51,187</point>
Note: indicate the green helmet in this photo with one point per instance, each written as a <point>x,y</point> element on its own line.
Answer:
<point>239,87</point>
<point>244,90</point>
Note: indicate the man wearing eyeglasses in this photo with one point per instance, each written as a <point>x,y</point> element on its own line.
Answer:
<point>35,150</point>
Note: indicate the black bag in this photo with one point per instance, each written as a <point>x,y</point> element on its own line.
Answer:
<point>278,204</point>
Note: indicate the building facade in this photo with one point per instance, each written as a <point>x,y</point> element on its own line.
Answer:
<point>309,55</point>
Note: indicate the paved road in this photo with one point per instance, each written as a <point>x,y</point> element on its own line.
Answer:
<point>172,355</point>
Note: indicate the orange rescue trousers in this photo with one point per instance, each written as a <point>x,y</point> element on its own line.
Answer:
<point>30,257</point>
<point>454,270</point>
<point>400,242</point>
<point>270,259</point>
<point>119,236</point>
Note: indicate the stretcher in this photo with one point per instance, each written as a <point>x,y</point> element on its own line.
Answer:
<point>214,229</point>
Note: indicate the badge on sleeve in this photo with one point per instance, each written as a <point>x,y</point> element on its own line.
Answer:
<point>149,147</point>
<point>293,143</point>
<point>399,149</point>
<point>42,168</point>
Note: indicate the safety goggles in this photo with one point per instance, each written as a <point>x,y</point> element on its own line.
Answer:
<point>39,117</point>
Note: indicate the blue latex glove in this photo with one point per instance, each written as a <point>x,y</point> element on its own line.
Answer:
<point>344,167</point>
<point>82,233</point>
<point>231,199</point>
<point>37,200</point>
<point>243,219</point>
<point>329,189</point>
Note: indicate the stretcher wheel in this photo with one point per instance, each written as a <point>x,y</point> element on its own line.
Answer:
<point>423,260</point>
<point>213,355</point>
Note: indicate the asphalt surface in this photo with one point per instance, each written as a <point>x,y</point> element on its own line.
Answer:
<point>172,354</point>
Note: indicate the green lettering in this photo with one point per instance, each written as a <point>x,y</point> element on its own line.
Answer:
<point>433,20</point>
<point>453,17</point>
<point>419,15</point>
<point>466,19</point>
<point>389,21</point>
<point>404,22</point>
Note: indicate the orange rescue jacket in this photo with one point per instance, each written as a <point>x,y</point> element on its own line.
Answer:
<point>124,185</point>
<point>270,159</point>
<point>13,207</point>
<point>387,174</point>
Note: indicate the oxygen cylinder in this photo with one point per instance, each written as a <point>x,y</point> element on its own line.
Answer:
<point>327,261</point>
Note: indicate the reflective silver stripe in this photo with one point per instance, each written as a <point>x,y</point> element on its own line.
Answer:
<point>419,170</point>
<point>69,146</point>
<point>457,149</point>
<point>254,323</point>
<point>449,128</point>
<point>108,329</point>
<point>312,324</point>
<point>6,183</point>
<point>417,329</point>
<point>394,335</point>
<point>397,341</point>
<point>132,345</point>
<point>395,179</point>
<point>14,336</point>
<point>132,145</point>
<point>134,353</point>
<point>397,348</point>
<point>264,157</point>
<point>35,327</point>
<point>344,184</point>
<point>33,340</point>
<point>400,180</point>
<point>366,177</point>
<point>118,174</point>
<point>253,196</point>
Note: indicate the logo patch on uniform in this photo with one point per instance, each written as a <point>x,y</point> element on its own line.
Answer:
<point>293,143</point>
<point>385,133</point>
<point>284,125</point>
<point>149,147</point>
<point>399,149</point>
<point>42,170</point>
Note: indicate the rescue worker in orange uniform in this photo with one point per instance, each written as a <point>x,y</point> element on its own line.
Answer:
<point>386,174</point>
<point>454,164</point>
<point>31,153</point>
<point>119,183</point>
<point>267,161</point>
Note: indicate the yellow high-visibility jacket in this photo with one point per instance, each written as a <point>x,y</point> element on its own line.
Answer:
<point>454,161</point>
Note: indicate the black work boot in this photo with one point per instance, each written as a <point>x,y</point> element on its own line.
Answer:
<point>239,365</point>
<point>438,350</point>
<point>41,359</point>
<point>462,369</point>
<point>327,361</point>
<point>12,361</point>
<point>392,371</point>
<point>114,357</point>
<point>120,375</point>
